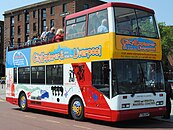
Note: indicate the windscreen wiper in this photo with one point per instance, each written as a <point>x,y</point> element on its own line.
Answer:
<point>152,87</point>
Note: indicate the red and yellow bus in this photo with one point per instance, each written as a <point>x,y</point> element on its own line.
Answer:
<point>108,67</point>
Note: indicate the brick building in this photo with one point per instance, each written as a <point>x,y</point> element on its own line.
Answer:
<point>25,22</point>
<point>2,69</point>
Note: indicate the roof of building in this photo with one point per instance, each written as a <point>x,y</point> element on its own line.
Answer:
<point>31,6</point>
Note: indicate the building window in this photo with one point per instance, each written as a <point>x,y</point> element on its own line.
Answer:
<point>27,28</point>
<point>44,25</point>
<point>63,21</point>
<point>19,30</point>
<point>85,6</point>
<point>24,75</point>
<point>27,38</point>
<point>52,23</point>
<point>34,27</point>
<point>18,41</point>
<point>12,20</point>
<point>12,42</point>
<point>52,10</point>
<point>19,17</point>
<point>43,13</point>
<point>38,75</point>
<point>12,30</point>
<point>34,14</point>
<point>15,75</point>
<point>64,7</point>
<point>54,74</point>
<point>27,17</point>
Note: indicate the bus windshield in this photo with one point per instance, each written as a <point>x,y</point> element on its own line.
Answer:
<point>135,22</point>
<point>137,76</point>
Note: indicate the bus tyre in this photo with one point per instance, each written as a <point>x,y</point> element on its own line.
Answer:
<point>77,109</point>
<point>23,102</point>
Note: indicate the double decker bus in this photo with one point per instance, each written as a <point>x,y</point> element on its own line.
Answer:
<point>108,67</point>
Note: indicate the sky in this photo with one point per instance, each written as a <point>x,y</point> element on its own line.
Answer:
<point>162,8</point>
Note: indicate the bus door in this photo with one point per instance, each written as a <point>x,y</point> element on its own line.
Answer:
<point>101,82</point>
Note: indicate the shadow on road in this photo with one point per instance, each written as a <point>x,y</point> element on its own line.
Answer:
<point>143,123</point>
<point>138,123</point>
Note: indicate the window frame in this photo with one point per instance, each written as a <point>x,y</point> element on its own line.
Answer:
<point>34,27</point>
<point>136,19</point>
<point>15,75</point>
<point>58,78</point>
<point>24,74</point>
<point>52,10</point>
<point>34,14</point>
<point>52,23</point>
<point>43,13</point>
<point>27,17</point>
<point>64,8</point>
<point>19,30</point>
<point>100,23</point>
<point>75,22</point>
<point>37,79</point>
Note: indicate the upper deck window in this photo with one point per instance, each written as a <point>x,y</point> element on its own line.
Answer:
<point>135,22</point>
<point>76,27</point>
<point>98,22</point>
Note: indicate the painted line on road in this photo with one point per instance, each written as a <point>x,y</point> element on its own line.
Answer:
<point>83,127</point>
<point>53,121</point>
<point>2,100</point>
<point>30,117</point>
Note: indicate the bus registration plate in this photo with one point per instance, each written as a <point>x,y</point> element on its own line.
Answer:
<point>146,114</point>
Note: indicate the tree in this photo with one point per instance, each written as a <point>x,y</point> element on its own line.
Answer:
<point>166,33</point>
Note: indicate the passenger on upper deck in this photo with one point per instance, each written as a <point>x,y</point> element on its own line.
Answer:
<point>70,34</point>
<point>59,36</point>
<point>43,35</point>
<point>37,39</point>
<point>50,35</point>
<point>103,27</point>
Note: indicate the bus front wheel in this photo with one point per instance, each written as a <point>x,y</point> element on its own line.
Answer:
<point>77,109</point>
<point>23,102</point>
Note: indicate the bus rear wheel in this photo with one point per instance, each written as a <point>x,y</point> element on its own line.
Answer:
<point>23,102</point>
<point>77,109</point>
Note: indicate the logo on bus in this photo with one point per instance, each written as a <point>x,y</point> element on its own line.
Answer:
<point>138,44</point>
<point>67,53</point>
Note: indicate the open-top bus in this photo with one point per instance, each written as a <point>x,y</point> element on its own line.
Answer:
<point>108,67</point>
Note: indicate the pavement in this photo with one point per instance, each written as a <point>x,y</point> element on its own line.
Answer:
<point>2,92</point>
<point>3,99</point>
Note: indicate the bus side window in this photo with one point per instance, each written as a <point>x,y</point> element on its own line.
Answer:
<point>98,22</point>
<point>76,28</point>
<point>93,24</point>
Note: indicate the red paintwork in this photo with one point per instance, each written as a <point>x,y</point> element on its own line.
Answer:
<point>12,100</point>
<point>48,106</point>
<point>91,112</point>
<point>104,6</point>
<point>12,90</point>
<point>94,100</point>
<point>134,114</point>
